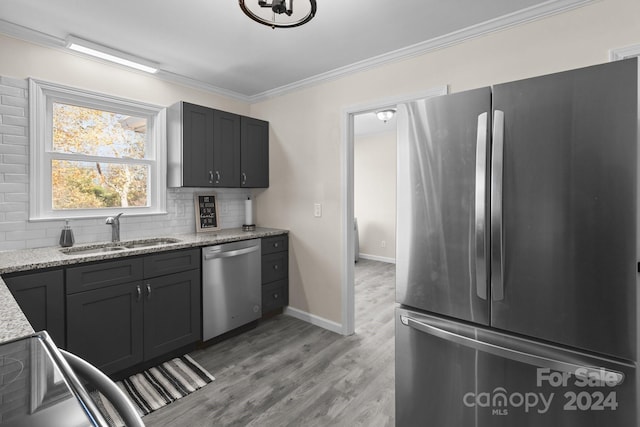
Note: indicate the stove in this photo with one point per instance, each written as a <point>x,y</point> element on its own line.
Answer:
<point>39,388</point>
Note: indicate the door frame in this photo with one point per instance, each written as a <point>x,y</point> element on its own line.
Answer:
<point>347,183</point>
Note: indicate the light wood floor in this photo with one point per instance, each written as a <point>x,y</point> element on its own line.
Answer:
<point>287,372</point>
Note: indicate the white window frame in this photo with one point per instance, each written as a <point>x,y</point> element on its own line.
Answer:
<point>42,96</point>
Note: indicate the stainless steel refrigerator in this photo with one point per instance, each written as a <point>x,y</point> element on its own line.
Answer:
<point>517,254</point>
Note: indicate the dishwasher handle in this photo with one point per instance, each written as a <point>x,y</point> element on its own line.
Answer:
<point>226,254</point>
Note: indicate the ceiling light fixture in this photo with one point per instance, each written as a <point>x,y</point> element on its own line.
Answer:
<point>279,13</point>
<point>385,115</point>
<point>103,52</point>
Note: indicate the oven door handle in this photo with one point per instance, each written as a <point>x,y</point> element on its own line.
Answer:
<point>108,388</point>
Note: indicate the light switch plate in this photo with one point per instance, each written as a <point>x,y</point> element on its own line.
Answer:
<point>317,210</point>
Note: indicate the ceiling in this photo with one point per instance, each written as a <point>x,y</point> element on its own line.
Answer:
<point>212,44</point>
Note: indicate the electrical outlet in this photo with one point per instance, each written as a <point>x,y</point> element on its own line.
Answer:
<point>383,244</point>
<point>224,208</point>
<point>317,210</point>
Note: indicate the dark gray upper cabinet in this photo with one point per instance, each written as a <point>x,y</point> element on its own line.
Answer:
<point>41,297</point>
<point>197,126</point>
<point>254,153</point>
<point>213,148</point>
<point>226,149</point>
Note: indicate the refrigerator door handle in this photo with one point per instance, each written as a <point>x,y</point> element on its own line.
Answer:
<point>481,207</point>
<point>497,168</point>
<point>544,361</point>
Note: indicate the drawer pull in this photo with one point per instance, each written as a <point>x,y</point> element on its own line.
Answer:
<point>275,266</point>
<point>276,244</point>
<point>276,296</point>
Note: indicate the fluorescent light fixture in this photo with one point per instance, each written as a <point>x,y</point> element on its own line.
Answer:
<point>106,53</point>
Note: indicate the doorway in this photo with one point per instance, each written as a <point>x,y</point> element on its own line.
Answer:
<point>375,142</point>
<point>348,213</point>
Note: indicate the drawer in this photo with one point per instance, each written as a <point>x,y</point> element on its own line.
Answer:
<point>275,244</point>
<point>171,262</point>
<point>275,295</point>
<point>101,275</point>
<point>275,267</point>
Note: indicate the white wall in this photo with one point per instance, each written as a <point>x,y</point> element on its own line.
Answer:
<point>375,194</point>
<point>21,60</point>
<point>306,132</point>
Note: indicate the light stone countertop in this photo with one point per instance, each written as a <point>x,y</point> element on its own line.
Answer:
<point>14,324</point>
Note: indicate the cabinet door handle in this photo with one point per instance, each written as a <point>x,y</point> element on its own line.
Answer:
<point>148,291</point>
<point>218,176</point>
<point>139,293</point>
<point>210,177</point>
<point>275,266</point>
<point>244,178</point>
<point>276,296</point>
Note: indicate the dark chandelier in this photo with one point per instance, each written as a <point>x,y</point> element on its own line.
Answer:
<point>279,13</point>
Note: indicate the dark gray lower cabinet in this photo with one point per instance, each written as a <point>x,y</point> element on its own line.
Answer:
<point>104,326</point>
<point>171,312</point>
<point>40,295</point>
<point>275,273</point>
<point>120,325</point>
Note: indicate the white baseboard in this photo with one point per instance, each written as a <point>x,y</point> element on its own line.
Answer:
<point>313,319</point>
<point>378,258</point>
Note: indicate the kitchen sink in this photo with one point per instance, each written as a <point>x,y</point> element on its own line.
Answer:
<point>91,250</point>
<point>148,243</point>
<point>119,246</point>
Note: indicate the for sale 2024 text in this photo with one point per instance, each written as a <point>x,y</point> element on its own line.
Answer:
<point>591,391</point>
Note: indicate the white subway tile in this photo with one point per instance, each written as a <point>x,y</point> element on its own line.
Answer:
<point>12,130</point>
<point>25,234</point>
<point>15,139</point>
<point>17,216</point>
<point>14,101</point>
<point>15,82</point>
<point>16,159</point>
<point>13,111</point>
<point>11,90</point>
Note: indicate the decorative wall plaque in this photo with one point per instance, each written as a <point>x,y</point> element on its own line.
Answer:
<point>206,207</point>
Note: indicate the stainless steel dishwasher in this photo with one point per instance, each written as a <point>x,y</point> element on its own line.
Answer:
<point>231,280</point>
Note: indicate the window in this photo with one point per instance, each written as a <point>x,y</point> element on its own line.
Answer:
<point>94,155</point>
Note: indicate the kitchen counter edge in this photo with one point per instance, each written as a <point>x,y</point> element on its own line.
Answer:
<point>50,257</point>
<point>13,322</point>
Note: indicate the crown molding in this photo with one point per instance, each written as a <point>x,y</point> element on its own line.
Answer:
<point>542,10</point>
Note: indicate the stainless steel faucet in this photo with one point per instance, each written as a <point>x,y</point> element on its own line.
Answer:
<point>114,222</point>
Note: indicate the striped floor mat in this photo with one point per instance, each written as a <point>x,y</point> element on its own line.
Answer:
<point>154,388</point>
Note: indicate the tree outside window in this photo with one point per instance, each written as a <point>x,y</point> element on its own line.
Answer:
<point>83,132</point>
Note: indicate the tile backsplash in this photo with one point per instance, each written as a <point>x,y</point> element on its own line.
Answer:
<point>16,232</point>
